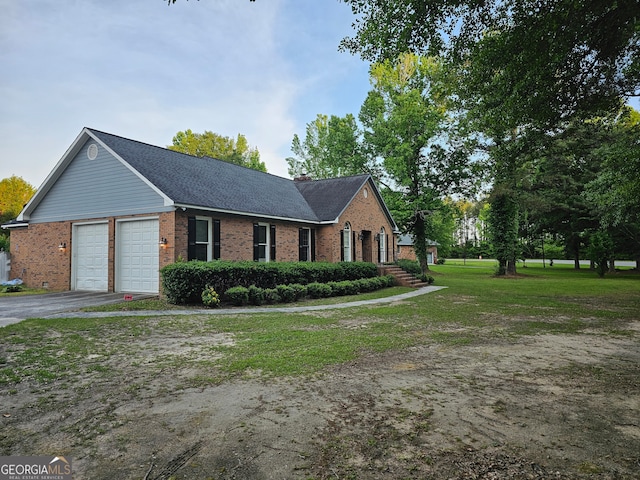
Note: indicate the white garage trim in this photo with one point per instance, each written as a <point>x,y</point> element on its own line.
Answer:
<point>90,257</point>
<point>137,255</point>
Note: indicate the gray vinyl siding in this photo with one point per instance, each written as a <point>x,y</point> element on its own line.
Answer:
<point>102,187</point>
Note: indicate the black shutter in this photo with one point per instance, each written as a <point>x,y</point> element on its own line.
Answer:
<point>353,247</point>
<point>302,251</point>
<point>386,252</point>
<point>191,238</point>
<point>313,244</point>
<point>256,245</point>
<point>272,257</point>
<point>342,245</point>
<point>216,239</point>
<point>378,257</point>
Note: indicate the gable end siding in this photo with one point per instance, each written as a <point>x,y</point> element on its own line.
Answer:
<point>96,188</point>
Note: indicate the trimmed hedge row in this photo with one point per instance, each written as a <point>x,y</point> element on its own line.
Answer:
<point>253,295</point>
<point>184,282</point>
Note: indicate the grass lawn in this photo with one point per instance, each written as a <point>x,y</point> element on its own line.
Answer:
<point>488,376</point>
<point>23,291</point>
<point>476,306</point>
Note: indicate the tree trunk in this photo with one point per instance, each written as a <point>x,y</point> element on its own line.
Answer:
<point>420,239</point>
<point>504,230</point>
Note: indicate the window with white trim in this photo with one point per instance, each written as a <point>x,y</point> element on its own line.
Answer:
<point>382,246</point>
<point>204,239</point>
<point>346,243</point>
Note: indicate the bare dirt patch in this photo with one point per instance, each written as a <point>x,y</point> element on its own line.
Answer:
<point>552,406</point>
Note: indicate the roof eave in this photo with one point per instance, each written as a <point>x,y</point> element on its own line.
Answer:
<point>185,206</point>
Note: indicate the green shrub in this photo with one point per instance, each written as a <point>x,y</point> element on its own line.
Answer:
<point>238,296</point>
<point>410,266</point>
<point>389,280</point>
<point>4,242</point>
<point>271,296</point>
<point>210,297</point>
<point>427,278</point>
<point>337,289</point>
<point>346,287</point>
<point>363,284</point>
<point>183,282</point>
<point>299,290</point>
<point>256,295</point>
<point>287,293</point>
<point>319,290</point>
<point>12,288</point>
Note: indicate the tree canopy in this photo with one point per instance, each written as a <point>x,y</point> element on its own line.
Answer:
<point>407,140</point>
<point>209,144</point>
<point>331,148</point>
<point>15,193</point>
<point>524,61</point>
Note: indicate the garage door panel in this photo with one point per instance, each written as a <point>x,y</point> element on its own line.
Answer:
<point>137,256</point>
<point>91,257</point>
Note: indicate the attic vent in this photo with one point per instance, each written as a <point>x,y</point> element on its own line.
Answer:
<point>92,151</point>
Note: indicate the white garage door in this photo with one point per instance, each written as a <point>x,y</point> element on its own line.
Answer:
<point>91,257</point>
<point>137,256</point>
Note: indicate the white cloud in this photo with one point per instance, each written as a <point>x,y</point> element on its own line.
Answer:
<point>145,70</point>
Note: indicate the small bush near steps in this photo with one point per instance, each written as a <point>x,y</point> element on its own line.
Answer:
<point>210,297</point>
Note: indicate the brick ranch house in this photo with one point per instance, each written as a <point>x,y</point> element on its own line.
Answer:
<point>114,211</point>
<point>405,250</point>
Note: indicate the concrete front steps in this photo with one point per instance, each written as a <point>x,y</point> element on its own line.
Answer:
<point>402,278</point>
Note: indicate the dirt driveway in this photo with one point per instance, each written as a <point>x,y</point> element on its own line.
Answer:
<point>550,406</point>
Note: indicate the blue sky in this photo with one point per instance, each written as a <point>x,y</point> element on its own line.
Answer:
<point>145,70</point>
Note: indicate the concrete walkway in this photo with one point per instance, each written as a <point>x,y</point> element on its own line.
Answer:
<point>71,313</point>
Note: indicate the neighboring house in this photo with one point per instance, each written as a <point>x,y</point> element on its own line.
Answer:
<point>405,250</point>
<point>114,211</point>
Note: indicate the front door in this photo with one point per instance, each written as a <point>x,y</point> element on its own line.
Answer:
<point>366,246</point>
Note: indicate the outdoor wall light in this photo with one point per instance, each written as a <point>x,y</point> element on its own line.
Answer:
<point>360,236</point>
<point>163,242</point>
<point>63,246</point>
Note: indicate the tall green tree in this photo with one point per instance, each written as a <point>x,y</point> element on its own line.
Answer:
<point>556,170</point>
<point>615,191</point>
<point>525,61</point>
<point>15,193</point>
<point>525,68</point>
<point>408,125</point>
<point>332,147</point>
<point>209,144</point>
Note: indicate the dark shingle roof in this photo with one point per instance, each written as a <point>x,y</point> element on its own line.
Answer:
<point>329,197</point>
<point>210,183</point>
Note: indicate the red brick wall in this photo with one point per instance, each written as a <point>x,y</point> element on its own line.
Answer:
<point>36,258</point>
<point>364,213</point>
<point>407,252</point>
<point>236,237</point>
